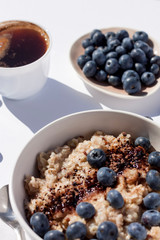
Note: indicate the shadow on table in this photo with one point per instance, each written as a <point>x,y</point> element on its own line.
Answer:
<point>53,101</point>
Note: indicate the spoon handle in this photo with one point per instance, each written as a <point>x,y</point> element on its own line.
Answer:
<point>20,233</point>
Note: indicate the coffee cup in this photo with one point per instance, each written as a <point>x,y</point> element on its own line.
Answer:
<point>24,58</point>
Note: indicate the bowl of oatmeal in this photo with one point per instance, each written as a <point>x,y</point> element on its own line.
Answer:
<point>55,174</point>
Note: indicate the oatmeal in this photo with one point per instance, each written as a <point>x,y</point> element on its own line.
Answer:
<point>66,179</point>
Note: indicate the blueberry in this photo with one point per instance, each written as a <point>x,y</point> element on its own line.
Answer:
<point>130,73</point>
<point>125,62</point>
<point>96,158</point>
<point>137,231</point>
<point>99,57</point>
<point>140,35</point>
<point>151,218</point>
<point>87,42</point>
<point>154,68</point>
<point>106,176</point>
<point>139,56</point>
<point>153,179</point>
<point>152,200</point>
<point>39,223</point>
<point>155,59</point>
<point>115,199</point>
<point>114,80</point>
<point>82,59</point>
<point>149,53</point>
<point>112,65</point>
<point>85,210</point>
<point>132,85</point>
<point>54,235</point>
<point>110,35</point>
<point>106,49</point>
<point>120,50</point>
<point>143,142</point>
<point>127,43</point>
<point>90,69</point>
<point>94,31</point>
<point>111,54</point>
<point>89,50</point>
<point>76,230</point>
<point>99,39</point>
<point>101,76</point>
<point>148,78</point>
<point>107,231</point>
<point>113,43</point>
<point>122,34</point>
<point>140,68</point>
<point>154,159</point>
<point>142,45</point>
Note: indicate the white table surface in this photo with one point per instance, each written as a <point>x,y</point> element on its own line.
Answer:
<point>64,92</point>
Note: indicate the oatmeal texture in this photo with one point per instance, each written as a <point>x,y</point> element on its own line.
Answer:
<point>67,179</point>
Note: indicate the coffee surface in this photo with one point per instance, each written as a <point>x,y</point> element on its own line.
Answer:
<point>20,45</point>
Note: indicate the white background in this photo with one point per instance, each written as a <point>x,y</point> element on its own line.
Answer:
<point>64,92</point>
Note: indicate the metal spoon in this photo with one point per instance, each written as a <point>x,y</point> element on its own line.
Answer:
<point>7,214</point>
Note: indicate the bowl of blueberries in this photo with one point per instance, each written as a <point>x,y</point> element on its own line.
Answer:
<point>119,62</point>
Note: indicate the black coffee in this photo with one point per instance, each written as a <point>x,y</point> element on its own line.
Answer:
<point>21,45</point>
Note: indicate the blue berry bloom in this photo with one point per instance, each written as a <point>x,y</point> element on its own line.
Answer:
<point>115,199</point>
<point>90,69</point>
<point>93,32</point>
<point>121,34</point>
<point>120,50</point>
<point>107,231</point>
<point>106,176</point>
<point>154,159</point>
<point>110,35</point>
<point>96,158</point>
<point>140,35</point>
<point>113,43</point>
<point>139,56</point>
<point>111,54</point>
<point>140,68</point>
<point>155,59</point>
<point>129,73</point>
<point>137,231</point>
<point>132,85</point>
<point>85,210</point>
<point>112,65</point>
<point>125,61</point>
<point>39,223</point>
<point>152,200</point>
<point>82,59</point>
<point>76,230</point>
<point>153,179</point>
<point>99,39</point>
<point>142,45</point>
<point>143,142</point>
<point>151,218</point>
<point>114,80</point>
<point>148,78</point>
<point>87,42</point>
<point>154,68</point>
<point>99,57</point>
<point>127,43</point>
<point>101,76</point>
<point>54,235</point>
<point>89,50</point>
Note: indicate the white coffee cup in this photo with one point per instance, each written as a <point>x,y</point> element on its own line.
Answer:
<point>24,81</point>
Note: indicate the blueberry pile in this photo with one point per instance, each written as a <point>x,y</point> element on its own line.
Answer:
<point>119,60</point>
<point>107,230</point>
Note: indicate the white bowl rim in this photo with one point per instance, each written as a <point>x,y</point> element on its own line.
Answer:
<point>11,194</point>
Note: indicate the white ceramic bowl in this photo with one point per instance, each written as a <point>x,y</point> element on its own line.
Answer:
<point>63,129</point>
<point>24,81</point>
